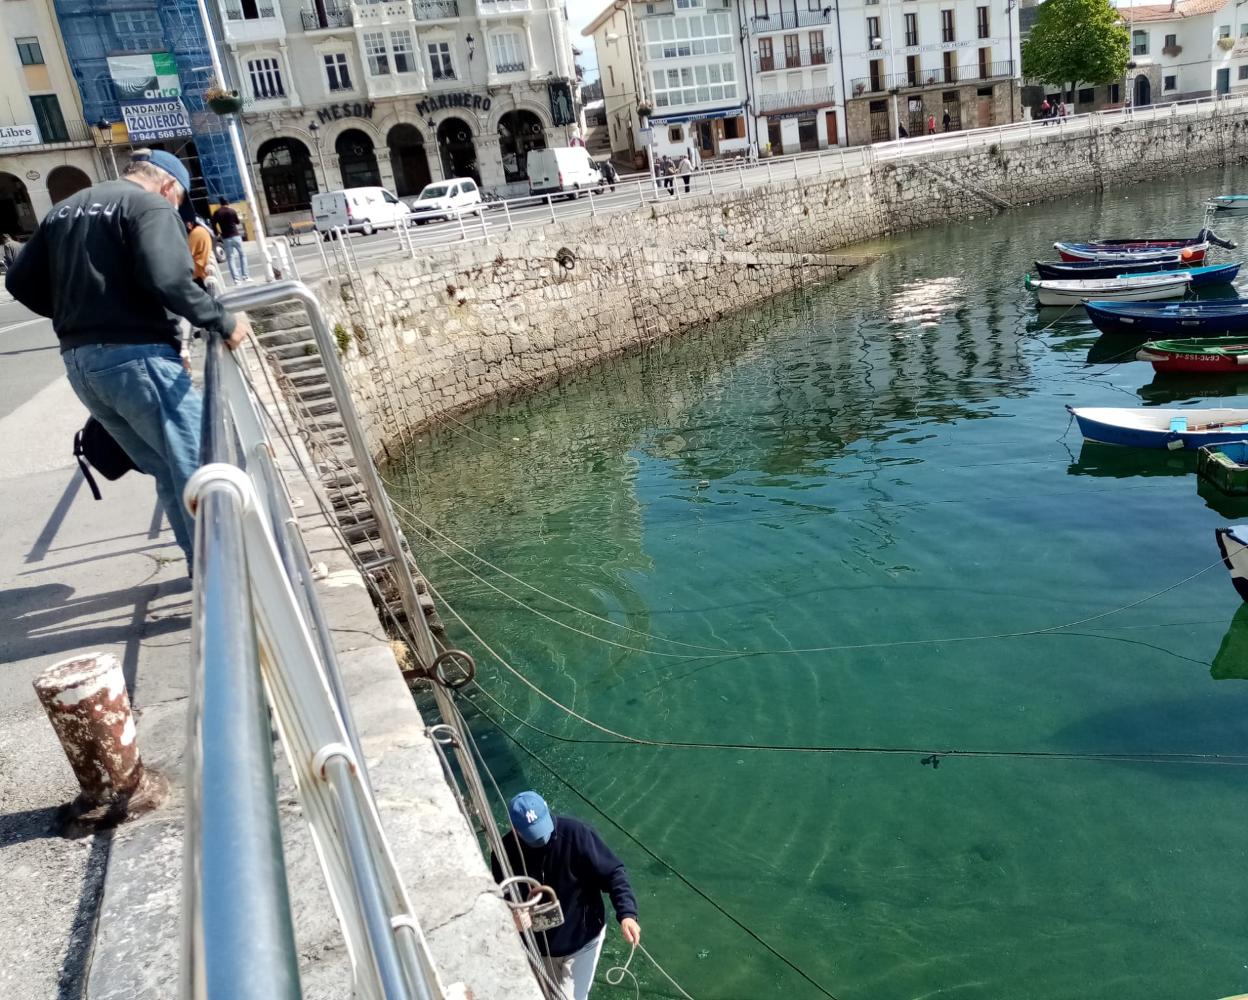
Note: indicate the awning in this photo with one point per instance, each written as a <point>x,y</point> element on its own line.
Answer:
<point>697,116</point>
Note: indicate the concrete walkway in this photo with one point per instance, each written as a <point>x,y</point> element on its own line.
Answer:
<point>75,575</point>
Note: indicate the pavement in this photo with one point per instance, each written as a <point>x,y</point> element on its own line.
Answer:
<point>75,575</point>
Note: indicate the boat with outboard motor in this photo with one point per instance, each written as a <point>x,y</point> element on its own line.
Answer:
<point>1171,320</point>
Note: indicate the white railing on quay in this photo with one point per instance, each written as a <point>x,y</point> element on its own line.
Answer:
<point>496,219</point>
<point>261,645</point>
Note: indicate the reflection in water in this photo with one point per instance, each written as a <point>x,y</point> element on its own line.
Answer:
<point>1231,661</point>
<point>1179,388</point>
<point>769,532</point>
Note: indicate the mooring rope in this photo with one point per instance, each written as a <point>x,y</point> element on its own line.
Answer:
<point>620,971</point>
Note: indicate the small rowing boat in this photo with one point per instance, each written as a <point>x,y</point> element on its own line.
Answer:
<point>1050,270</point>
<point>1230,202</point>
<point>1154,427</point>
<point>1211,318</point>
<point>1233,544</point>
<point>1208,354</point>
<point>1177,256</point>
<point>1203,277</point>
<point>1129,288</point>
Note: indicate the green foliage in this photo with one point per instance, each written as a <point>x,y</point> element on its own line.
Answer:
<point>1077,41</point>
<point>343,338</point>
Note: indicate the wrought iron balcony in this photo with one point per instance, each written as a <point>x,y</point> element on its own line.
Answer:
<point>435,10</point>
<point>935,76</point>
<point>59,133</point>
<point>792,60</point>
<point>486,8</point>
<point>509,67</point>
<point>329,17</point>
<point>793,100</point>
<point>235,13</point>
<point>788,20</point>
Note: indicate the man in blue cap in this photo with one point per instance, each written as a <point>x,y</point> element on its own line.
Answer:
<point>572,859</point>
<point>111,268</point>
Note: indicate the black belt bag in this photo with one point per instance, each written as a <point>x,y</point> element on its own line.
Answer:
<point>93,444</point>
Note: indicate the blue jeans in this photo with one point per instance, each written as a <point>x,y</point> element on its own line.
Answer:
<point>144,398</point>
<point>235,258</point>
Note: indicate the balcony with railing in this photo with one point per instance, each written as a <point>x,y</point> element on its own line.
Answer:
<point>248,21</point>
<point>369,12</point>
<point>53,133</point>
<point>326,17</point>
<point>435,10</point>
<point>796,100</point>
<point>934,76</point>
<point>500,8</point>
<point>794,60</point>
<point>788,20</point>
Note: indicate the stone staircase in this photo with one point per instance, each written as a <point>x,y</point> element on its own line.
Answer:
<point>289,348</point>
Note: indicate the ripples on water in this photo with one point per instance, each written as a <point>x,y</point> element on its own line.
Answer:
<point>882,461</point>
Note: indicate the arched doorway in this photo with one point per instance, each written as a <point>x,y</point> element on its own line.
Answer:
<point>518,133</point>
<point>459,155</point>
<point>17,215</point>
<point>1143,92</point>
<point>408,159</point>
<point>357,160</point>
<point>64,181</point>
<point>286,174</point>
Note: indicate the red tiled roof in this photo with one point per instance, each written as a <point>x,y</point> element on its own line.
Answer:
<point>1164,12</point>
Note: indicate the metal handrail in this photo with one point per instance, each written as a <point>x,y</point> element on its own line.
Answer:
<point>257,616</point>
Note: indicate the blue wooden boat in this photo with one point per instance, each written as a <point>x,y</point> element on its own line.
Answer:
<point>1230,202</point>
<point>1209,318</point>
<point>1203,277</point>
<point>1153,427</point>
<point>1051,270</point>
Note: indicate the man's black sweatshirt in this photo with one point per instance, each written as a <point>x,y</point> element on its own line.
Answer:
<point>111,265</point>
<point>580,868</point>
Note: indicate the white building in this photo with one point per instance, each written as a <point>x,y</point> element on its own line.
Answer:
<point>398,92</point>
<point>1186,49</point>
<point>47,151</point>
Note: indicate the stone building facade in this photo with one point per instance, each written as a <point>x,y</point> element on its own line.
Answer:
<point>46,148</point>
<point>397,93</point>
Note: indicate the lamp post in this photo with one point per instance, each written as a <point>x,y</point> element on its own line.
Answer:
<point>315,129</point>
<point>105,128</point>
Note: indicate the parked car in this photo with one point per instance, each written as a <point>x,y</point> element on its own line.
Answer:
<point>362,209</point>
<point>447,200</point>
<point>563,169</point>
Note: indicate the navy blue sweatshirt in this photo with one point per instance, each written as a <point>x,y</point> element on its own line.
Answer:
<point>580,868</point>
<point>111,265</point>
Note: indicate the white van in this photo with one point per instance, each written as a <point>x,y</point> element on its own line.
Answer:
<point>563,169</point>
<point>362,209</point>
<point>447,200</point>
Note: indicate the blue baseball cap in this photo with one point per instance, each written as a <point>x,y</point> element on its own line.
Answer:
<point>171,165</point>
<point>531,819</point>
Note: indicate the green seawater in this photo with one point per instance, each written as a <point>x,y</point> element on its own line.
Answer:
<point>858,518</point>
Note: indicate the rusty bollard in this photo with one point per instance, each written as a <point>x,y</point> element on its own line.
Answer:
<point>87,703</point>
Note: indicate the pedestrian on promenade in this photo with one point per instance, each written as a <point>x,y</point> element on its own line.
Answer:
<point>111,268</point>
<point>199,240</point>
<point>686,171</point>
<point>901,132</point>
<point>669,175</point>
<point>1061,110</point>
<point>609,173</point>
<point>931,124</point>
<point>8,250</point>
<point>572,859</point>
<point>225,221</point>
<point>946,119</point>
<point>1045,111</point>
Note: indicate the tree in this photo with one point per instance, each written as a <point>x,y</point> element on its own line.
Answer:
<point>1076,41</point>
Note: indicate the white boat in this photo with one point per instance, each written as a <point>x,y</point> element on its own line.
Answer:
<point>1233,542</point>
<point>1127,288</point>
<point>1155,427</point>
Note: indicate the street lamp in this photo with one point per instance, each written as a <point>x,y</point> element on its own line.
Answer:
<point>105,128</point>
<point>315,129</point>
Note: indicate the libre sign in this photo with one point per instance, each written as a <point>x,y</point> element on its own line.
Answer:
<point>19,135</point>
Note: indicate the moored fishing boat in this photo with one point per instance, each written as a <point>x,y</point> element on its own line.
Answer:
<point>1233,544</point>
<point>1060,269</point>
<point>1211,318</point>
<point>1207,354</point>
<point>1074,252</point>
<point>1230,202</point>
<point>1130,288</point>
<point>1204,277</point>
<point>1155,427</point>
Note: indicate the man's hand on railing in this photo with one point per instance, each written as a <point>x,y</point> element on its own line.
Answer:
<point>242,328</point>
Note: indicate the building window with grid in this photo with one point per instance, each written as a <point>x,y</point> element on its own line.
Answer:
<point>138,30</point>
<point>376,54</point>
<point>1243,74</point>
<point>1172,82</point>
<point>29,52</point>
<point>946,26</point>
<point>912,29</point>
<point>337,71</point>
<point>440,61</point>
<point>692,84</point>
<point>981,22</point>
<point>692,35</point>
<point>402,51</point>
<point>817,51</point>
<point>792,51</point>
<point>873,30</point>
<point>1139,43</point>
<point>266,78</point>
<point>508,52</point>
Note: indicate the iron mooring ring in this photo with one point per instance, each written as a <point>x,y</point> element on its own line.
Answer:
<point>444,734</point>
<point>452,656</point>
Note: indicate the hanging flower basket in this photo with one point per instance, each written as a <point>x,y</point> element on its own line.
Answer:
<point>1226,44</point>
<point>644,109</point>
<point>223,102</point>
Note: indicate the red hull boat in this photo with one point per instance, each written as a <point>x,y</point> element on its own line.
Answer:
<point>1209,354</point>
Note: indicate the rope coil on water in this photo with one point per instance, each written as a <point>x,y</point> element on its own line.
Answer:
<point>620,971</point>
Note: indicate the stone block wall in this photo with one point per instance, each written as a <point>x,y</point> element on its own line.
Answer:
<point>449,332</point>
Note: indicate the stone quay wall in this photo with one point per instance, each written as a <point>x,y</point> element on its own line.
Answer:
<point>470,323</point>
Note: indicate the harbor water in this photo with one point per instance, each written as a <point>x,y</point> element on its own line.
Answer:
<point>747,584</point>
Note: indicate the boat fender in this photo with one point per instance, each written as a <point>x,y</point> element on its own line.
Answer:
<point>1175,445</point>
<point>1241,359</point>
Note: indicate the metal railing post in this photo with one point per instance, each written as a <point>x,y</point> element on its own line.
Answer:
<point>485,230</point>
<point>593,212</point>
<point>741,175</point>
<point>550,203</point>
<point>459,217</point>
<point>769,171</point>
<point>507,212</point>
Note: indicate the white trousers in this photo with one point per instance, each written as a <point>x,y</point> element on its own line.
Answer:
<point>574,973</point>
